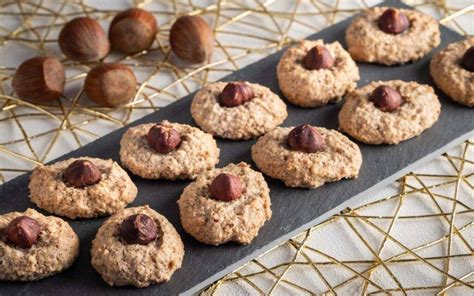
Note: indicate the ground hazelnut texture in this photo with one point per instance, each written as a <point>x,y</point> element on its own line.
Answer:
<point>451,76</point>
<point>216,222</point>
<point>120,263</point>
<point>313,88</point>
<point>253,118</point>
<point>55,249</point>
<point>338,159</point>
<point>361,119</point>
<point>368,43</point>
<point>113,192</point>
<point>197,152</point>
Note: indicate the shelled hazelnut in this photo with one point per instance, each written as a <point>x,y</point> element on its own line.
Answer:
<point>235,94</point>
<point>138,229</point>
<point>81,173</point>
<point>133,30</point>
<point>305,138</point>
<point>192,39</point>
<point>317,58</point>
<point>226,187</point>
<point>39,80</point>
<point>83,39</point>
<point>163,139</point>
<point>393,21</point>
<point>386,98</point>
<point>23,232</point>
<point>468,59</point>
<point>110,85</point>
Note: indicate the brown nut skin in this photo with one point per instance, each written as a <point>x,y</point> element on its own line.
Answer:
<point>305,138</point>
<point>235,94</point>
<point>392,21</point>
<point>133,30</point>
<point>192,39</point>
<point>39,80</point>
<point>23,232</point>
<point>468,59</point>
<point>226,187</point>
<point>317,58</point>
<point>386,98</point>
<point>138,229</point>
<point>81,173</point>
<point>163,139</point>
<point>110,85</point>
<point>83,39</point>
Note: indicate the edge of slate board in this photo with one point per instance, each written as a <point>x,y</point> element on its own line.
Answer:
<point>50,285</point>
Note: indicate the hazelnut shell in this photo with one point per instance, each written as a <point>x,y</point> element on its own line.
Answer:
<point>39,80</point>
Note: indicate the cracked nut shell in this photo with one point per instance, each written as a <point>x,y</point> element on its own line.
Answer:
<point>39,80</point>
<point>226,187</point>
<point>83,39</point>
<point>468,59</point>
<point>81,173</point>
<point>23,232</point>
<point>305,138</point>
<point>192,39</point>
<point>138,229</point>
<point>110,85</point>
<point>386,98</point>
<point>163,139</point>
<point>317,58</point>
<point>235,94</point>
<point>133,30</point>
<point>393,21</point>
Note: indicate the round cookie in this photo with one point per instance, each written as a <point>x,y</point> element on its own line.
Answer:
<point>196,153</point>
<point>55,250</point>
<point>253,118</point>
<point>216,222</point>
<point>368,43</point>
<point>339,158</point>
<point>361,119</point>
<point>121,264</point>
<point>113,192</point>
<point>450,76</point>
<point>313,88</point>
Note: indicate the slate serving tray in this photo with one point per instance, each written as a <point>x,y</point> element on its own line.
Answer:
<point>293,209</point>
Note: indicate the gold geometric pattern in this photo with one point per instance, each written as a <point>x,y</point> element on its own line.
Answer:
<point>396,240</point>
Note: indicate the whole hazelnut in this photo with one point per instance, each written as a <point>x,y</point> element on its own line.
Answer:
<point>163,139</point>
<point>133,30</point>
<point>39,80</point>
<point>81,173</point>
<point>305,138</point>
<point>110,85</point>
<point>317,58</point>
<point>192,39</point>
<point>138,229</point>
<point>393,21</point>
<point>235,94</point>
<point>386,98</point>
<point>83,39</point>
<point>226,187</point>
<point>468,59</point>
<point>23,232</point>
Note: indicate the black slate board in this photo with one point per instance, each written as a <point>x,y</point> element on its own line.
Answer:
<point>293,209</point>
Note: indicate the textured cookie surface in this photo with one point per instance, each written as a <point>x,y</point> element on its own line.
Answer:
<point>56,249</point>
<point>340,158</point>
<point>361,119</point>
<point>196,154</point>
<point>450,76</point>
<point>122,264</point>
<point>215,222</point>
<point>253,118</point>
<point>367,43</point>
<point>312,88</point>
<point>113,192</point>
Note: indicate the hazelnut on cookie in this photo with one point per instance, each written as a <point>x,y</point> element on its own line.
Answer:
<point>137,246</point>
<point>388,112</point>
<point>168,151</point>
<point>307,156</point>
<point>82,187</point>
<point>227,204</point>
<point>34,246</point>
<point>452,69</point>
<point>390,36</point>
<point>312,73</point>
<point>237,110</point>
